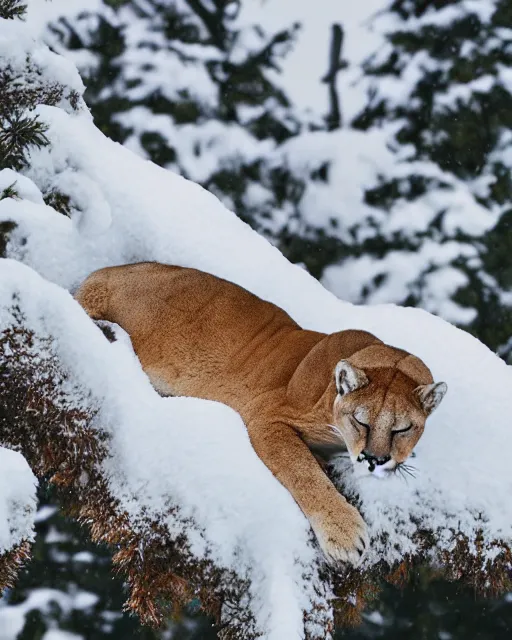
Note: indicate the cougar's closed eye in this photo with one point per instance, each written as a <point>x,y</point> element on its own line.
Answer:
<point>402,430</point>
<point>361,424</point>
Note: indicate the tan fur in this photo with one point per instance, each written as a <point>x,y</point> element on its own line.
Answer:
<point>198,335</point>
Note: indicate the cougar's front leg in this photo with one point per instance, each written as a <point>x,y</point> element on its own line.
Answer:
<point>338,526</point>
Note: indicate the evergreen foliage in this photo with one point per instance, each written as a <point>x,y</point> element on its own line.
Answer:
<point>19,95</point>
<point>442,81</point>
<point>10,9</point>
<point>72,576</point>
<point>77,590</point>
<point>181,84</point>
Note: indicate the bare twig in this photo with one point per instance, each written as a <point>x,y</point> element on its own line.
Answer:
<point>336,64</point>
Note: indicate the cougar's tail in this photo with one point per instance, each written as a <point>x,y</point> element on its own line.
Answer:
<point>93,295</point>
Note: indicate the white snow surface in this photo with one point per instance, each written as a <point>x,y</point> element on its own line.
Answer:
<point>196,454</point>
<point>17,500</point>
<point>12,618</point>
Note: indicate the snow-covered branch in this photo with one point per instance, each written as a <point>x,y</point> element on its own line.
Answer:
<point>147,476</point>
<point>81,411</point>
<point>59,425</point>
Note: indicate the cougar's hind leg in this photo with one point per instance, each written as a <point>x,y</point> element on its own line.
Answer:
<point>159,382</point>
<point>92,295</point>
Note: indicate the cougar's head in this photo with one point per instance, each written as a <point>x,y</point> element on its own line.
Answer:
<point>384,396</point>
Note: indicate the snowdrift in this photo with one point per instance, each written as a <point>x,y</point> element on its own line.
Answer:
<point>182,492</point>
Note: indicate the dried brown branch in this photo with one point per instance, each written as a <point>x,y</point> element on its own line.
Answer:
<point>11,562</point>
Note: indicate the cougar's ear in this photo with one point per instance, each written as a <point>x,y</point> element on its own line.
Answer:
<point>430,395</point>
<point>348,378</point>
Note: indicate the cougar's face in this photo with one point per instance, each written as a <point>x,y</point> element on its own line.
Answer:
<point>381,416</point>
<point>379,437</point>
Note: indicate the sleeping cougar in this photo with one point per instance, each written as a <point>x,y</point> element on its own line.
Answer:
<point>300,393</point>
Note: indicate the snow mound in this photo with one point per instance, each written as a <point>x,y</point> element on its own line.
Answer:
<point>17,500</point>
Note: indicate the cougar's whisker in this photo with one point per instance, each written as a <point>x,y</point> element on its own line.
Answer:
<point>408,469</point>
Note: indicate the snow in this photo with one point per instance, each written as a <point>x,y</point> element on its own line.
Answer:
<point>57,634</point>
<point>398,270</point>
<point>16,39</point>
<point>24,188</point>
<point>196,454</point>
<point>354,158</point>
<point>17,500</point>
<point>464,92</point>
<point>40,13</point>
<point>12,618</point>
<point>91,210</point>
<point>375,617</point>
<point>83,556</point>
<point>202,147</point>
<point>45,512</point>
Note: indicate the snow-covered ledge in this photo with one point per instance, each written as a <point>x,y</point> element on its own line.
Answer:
<point>174,481</point>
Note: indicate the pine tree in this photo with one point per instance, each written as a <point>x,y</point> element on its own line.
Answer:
<point>182,85</point>
<point>440,84</point>
<point>70,585</point>
<point>19,129</point>
<point>57,588</point>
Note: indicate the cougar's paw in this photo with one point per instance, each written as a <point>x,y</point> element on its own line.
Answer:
<point>342,534</point>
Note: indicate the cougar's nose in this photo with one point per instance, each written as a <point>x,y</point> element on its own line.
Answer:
<point>374,461</point>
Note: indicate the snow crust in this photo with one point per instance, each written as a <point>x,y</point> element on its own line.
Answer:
<point>17,500</point>
<point>196,454</point>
